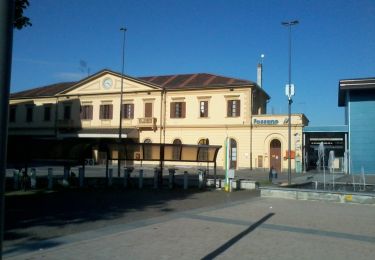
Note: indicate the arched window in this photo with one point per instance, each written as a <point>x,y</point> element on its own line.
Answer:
<point>204,141</point>
<point>177,149</point>
<point>203,151</point>
<point>275,144</point>
<point>147,149</point>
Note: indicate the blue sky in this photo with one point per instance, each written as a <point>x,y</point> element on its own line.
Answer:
<point>334,40</point>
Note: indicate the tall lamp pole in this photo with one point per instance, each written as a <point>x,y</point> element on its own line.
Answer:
<point>123,29</point>
<point>289,91</point>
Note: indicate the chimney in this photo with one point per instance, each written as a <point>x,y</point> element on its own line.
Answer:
<point>259,74</point>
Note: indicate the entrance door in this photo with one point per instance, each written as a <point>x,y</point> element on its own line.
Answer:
<point>275,155</point>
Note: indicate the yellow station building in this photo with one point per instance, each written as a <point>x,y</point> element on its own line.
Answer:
<point>189,109</point>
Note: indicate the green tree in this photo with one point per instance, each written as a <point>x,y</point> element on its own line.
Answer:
<point>20,20</point>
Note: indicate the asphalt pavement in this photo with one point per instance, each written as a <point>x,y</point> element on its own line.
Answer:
<point>256,228</point>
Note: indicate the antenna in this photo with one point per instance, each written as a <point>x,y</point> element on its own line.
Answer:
<point>83,67</point>
<point>261,58</point>
<point>260,71</point>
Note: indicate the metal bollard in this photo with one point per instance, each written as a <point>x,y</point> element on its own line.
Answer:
<point>66,176</point>
<point>171,177</point>
<point>200,179</point>
<point>140,182</point>
<point>16,179</point>
<point>50,178</point>
<point>81,175</point>
<point>230,185</point>
<point>33,178</point>
<point>156,179</point>
<point>186,180</point>
<point>110,175</point>
<point>126,178</point>
<point>238,184</point>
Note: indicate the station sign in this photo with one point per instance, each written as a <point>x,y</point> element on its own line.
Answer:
<point>266,122</point>
<point>270,121</point>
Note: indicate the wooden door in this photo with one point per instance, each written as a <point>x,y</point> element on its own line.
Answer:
<point>275,155</point>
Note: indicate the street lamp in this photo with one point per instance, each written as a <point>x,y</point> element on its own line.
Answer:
<point>289,91</point>
<point>123,29</point>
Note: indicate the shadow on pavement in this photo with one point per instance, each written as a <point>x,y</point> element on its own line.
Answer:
<point>33,217</point>
<point>235,239</point>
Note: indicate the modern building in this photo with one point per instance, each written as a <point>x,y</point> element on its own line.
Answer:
<point>189,109</point>
<point>358,98</point>
<point>334,140</point>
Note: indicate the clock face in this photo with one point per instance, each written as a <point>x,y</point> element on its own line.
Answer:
<point>107,83</point>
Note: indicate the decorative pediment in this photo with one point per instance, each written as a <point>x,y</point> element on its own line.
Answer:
<point>108,82</point>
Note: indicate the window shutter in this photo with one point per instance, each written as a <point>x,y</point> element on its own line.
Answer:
<point>90,112</point>
<point>110,111</point>
<point>229,108</point>
<point>123,111</point>
<point>101,112</point>
<point>238,110</point>
<point>205,108</point>
<point>82,108</point>
<point>173,110</point>
<point>132,111</point>
<point>183,109</point>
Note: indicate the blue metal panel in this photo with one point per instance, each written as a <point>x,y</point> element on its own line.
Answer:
<point>325,129</point>
<point>362,131</point>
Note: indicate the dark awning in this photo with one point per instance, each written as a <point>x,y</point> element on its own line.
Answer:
<point>163,152</point>
<point>103,133</point>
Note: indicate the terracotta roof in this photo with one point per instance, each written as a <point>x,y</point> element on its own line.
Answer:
<point>200,80</point>
<point>182,81</point>
<point>46,91</point>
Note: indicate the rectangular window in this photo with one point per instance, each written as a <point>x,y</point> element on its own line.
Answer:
<point>106,111</point>
<point>148,109</point>
<point>203,108</point>
<point>86,112</point>
<point>260,161</point>
<point>12,114</point>
<point>128,111</point>
<point>178,110</point>
<point>29,113</point>
<point>47,113</point>
<point>67,112</point>
<point>233,108</point>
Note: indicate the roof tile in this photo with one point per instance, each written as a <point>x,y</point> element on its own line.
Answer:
<point>46,91</point>
<point>200,80</point>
